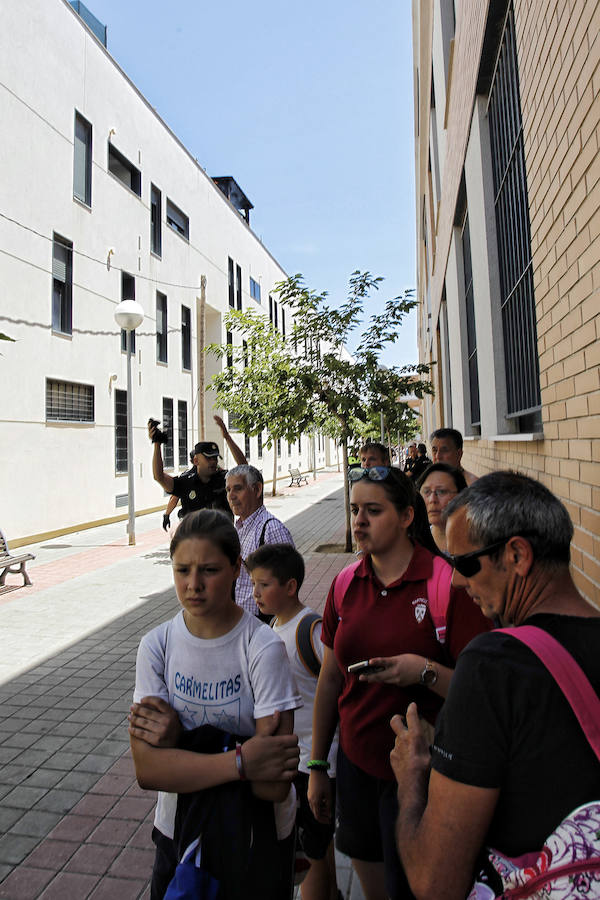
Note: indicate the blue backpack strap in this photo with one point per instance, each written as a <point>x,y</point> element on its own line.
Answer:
<point>305,645</point>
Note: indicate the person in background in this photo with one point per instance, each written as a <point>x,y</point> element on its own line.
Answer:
<point>447,447</point>
<point>438,485</point>
<point>420,463</point>
<point>410,459</point>
<point>374,454</point>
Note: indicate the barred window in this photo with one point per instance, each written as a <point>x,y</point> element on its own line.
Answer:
<point>260,444</point>
<point>513,230</point>
<point>67,401</point>
<point>182,432</point>
<point>167,421</point>
<point>120,431</point>
<point>471,333</point>
<point>247,446</point>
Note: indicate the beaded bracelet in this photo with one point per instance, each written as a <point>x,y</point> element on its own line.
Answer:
<point>321,765</point>
<point>239,761</point>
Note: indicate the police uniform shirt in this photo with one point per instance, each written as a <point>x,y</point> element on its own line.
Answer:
<point>197,494</point>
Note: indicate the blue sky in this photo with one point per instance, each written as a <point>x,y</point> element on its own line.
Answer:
<point>309,106</point>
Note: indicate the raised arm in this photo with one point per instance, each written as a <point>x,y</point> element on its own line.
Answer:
<point>236,451</point>
<point>158,472</point>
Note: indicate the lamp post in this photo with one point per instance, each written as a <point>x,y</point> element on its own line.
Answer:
<point>129,315</point>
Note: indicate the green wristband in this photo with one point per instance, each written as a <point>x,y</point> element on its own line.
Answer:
<point>320,765</point>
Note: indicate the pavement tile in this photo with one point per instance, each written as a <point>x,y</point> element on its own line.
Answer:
<point>94,762</point>
<point>51,742</point>
<point>67,728</point>
<point>112,784</point>
<point>25,883</point>
<point>36,823</point>
<point>50,854</point>
<point>119,889</point>
<point>92,859</point>
<point>74,828</point>
<point>33,758</point>
<point>78,781</point>
<point>8,754</point>
<point>59,801</point>
<point>113,831</point>
<point>15,847</point>
<point>136,791</point>
<point>114,747</point>
<point>43,778</point>
<point>71,885</point>
<point>94,805</point>
<point>64,760</point>
<point>14,774</point>
<point>136,808</point>
<point>8,816</point>
<point>20,740</point>
<point>142,838</point>
<point>124,765</point>
<point>24,797</point>
<point>132,863</point>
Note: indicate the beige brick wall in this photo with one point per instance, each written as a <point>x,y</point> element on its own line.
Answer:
<point>558,46</point>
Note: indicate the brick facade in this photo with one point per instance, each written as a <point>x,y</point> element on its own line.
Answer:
<point>558,51</point>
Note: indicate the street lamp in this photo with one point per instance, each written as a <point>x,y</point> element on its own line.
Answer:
<point>129,315</point>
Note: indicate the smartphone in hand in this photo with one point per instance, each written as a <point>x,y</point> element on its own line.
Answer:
<point>363,668</point>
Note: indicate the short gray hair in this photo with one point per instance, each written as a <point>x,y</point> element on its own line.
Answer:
<point>503,504</point>
<point>250,473</point>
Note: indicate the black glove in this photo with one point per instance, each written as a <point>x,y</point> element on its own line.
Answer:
<point>166,522</point>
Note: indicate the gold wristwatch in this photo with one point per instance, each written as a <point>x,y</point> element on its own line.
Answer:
<point>429,675</point>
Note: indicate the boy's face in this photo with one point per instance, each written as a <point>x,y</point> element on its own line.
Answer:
<point>271,596</point>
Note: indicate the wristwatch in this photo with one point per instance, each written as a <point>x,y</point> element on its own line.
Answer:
<point>429,675</point>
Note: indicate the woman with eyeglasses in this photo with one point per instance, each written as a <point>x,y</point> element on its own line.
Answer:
<point>382,618</point>
<point>438,485</point>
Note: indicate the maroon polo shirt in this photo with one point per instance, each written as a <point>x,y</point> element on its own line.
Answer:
<point>374,620</point>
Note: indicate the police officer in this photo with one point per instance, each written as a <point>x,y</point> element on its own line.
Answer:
<point>203,486</point>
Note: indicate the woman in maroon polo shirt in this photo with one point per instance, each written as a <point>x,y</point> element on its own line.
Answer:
<point>383,613</point>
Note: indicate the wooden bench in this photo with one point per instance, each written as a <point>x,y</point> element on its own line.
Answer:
<point>15,564</point>
<point>297,477</point>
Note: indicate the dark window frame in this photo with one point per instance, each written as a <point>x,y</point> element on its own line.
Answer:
<point>62,285</point>
<point>121,447</point>
<point>162,328</point>
<point>118,165</point>
<point>155,221</point>
<point>127,293</point>
<point>230,284</point>
<point>182,426</point>
<point>82,156</point>
<point>186,338</point>
<point>177,220</point>
<point>69,401</point>
<point>167,427</point>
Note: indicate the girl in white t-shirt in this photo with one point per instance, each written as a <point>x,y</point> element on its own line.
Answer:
<point>215,664</point>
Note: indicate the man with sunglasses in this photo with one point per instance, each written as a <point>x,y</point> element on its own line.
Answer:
<point>509,760</point>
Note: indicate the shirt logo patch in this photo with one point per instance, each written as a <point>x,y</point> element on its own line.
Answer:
<point>420,605</point>
<point>192,495</point>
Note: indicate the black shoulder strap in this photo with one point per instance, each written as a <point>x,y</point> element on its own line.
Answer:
<point>261,539</point>
<point>304,643</point>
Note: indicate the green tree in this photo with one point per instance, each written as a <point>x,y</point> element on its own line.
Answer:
<point>259,386</point>
<point>346,387</point>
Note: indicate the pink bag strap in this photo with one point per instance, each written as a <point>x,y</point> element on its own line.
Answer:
<point>438,595</point>
<point>569,676</point>
<point>342,583</point>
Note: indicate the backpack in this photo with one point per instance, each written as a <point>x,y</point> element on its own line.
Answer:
<point>304,642</point>
<point>568,865</point>
<point>438,592</point>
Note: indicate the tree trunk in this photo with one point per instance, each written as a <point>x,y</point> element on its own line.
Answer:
<point>348,545</point>
<point>274,487</point>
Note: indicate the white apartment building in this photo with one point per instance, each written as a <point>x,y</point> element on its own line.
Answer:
<point>101,202</point>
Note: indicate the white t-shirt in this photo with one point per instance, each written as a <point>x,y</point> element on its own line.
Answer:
<point>228,682</point>
<point>307,685</point>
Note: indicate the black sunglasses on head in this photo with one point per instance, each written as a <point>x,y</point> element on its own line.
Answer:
<point>468,564</point>
<point>375,473</point>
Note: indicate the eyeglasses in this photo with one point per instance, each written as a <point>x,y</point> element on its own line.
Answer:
<point>375,473</point>
<point>468,564</point>
<point>440,493</point>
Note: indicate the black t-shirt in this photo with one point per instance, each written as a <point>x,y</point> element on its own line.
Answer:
<point>420,464</point>
<point>197,494</point>
<point>506,724</point>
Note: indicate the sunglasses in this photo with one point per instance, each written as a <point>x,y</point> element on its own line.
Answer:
<point>375,473</point>
<point>468,564</point>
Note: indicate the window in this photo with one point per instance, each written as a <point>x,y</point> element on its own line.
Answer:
<point>275,314</point>
<point>155,220</point>
<point>254,290</point>
<point>278,446</point>
<point>245,353</point>
<point>62,285</point>
<point>230,285</point>
<point>126,172</point>
<point>260,443</point>
<point>167,421</point>
<point>177,220</point>
<point>247,446</point>
<point>127,293</point>
<point>514,237</point>
<point>120,431</point>
<point>161,328</point>
<point>470,319</point>
<point>229,349</point>
<point>282,321</point>
<point>186,338</point>
<point>82,160</point>
<point>270,309</point>
<point>299,444</point>
<point>238,286</point>
<point>67,401</point>
<point>289,448</point>
<point>182,432</point>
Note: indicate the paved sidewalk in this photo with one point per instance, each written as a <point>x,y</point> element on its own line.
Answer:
<point>73,822</point>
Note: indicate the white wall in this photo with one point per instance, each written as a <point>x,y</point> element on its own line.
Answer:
<point>50,67</point>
